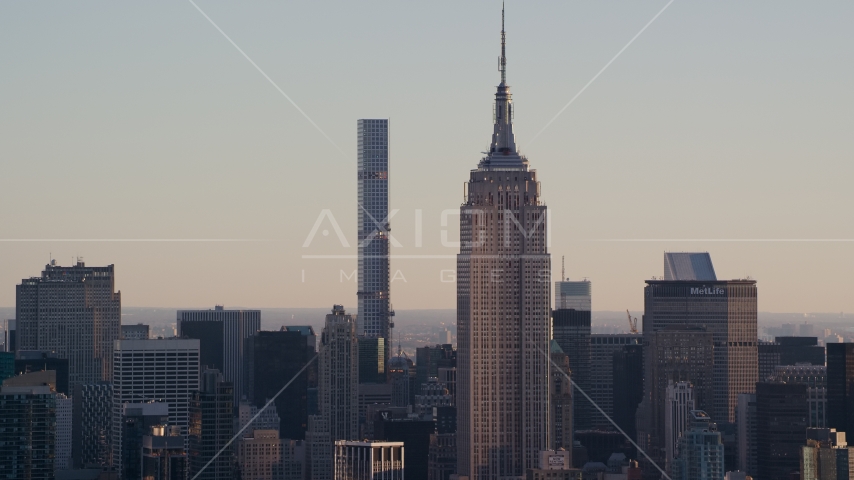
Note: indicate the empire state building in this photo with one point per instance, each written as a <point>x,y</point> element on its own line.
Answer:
<point>503,294</point>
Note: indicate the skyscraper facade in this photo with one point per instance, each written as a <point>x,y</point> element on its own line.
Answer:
<point>211,428</point>
<point>745,421</point>
<point>273,359</point>
<point>74,312</point>
<point>138,420</point>
<point>163,454</point>
<point>91,417</point>
<point>840,386</point>
<point>173,362</point>
<point>372,359</point>
<point>701,451</point>
<point>674,354</point>
<point>338,392</point>
<point>503,314</point>
<point>815,378</point>
<point>571,330</point>
<point>677,412</point>
<point>781,426</point>
<point>561,400</point>
<point>27,428</point>
<point>627,391</point>
<point>728,310</point>
<point>373,225</point>
<point>222,335</point>
<point>600,385</point>
<point>64,426</point>
<point>826,455</point>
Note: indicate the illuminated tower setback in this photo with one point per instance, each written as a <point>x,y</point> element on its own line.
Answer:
<point>503,300</point>
<point>374,303</point>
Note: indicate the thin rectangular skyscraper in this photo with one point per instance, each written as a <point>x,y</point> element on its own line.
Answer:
<point>373,225</point>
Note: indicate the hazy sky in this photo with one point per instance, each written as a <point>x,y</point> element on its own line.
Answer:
<point>139,120</point>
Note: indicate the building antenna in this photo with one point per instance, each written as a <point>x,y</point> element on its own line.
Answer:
<point>562,268</point>
<point>502,62</point>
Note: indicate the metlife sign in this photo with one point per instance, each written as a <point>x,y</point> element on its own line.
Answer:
<point>710,291</point>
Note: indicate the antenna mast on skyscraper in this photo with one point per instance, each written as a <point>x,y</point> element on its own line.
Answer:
<point>502,62</point>
<point>562,268</point>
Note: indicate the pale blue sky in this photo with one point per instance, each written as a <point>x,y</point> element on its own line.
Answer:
<point>724,120</point>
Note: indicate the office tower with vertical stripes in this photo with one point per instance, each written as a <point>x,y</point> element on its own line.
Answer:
<point>74,312</point>
<point>222,337</point>
<point>373,230</point>
<point>503,309</point>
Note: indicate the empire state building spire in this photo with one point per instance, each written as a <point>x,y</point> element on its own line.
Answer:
<point>503,310</point>
<point>502,151</point>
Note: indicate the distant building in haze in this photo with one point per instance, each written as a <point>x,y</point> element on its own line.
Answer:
<point>136,332</point>
<point>74,312</point>
<point>222,335</point>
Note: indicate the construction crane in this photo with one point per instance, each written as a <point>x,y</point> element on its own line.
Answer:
<point>633,323</point>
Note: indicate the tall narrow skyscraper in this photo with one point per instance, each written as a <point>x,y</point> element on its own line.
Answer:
<point>74,312</point>
<point>374,303</point>
<point>503,296</point>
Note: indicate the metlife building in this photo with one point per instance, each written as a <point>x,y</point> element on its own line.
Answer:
<point>727,309</point>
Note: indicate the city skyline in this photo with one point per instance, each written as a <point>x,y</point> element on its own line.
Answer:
<point>718,122</point>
